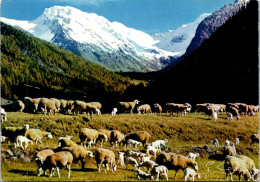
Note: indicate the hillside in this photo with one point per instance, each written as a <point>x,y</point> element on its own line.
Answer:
<point>33,67</point>
<point>224,69</point>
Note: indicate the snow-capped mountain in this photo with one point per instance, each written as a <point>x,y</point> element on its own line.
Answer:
<point>110,44</point>
<point>178,40</point>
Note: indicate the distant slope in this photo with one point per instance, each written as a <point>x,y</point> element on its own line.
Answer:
<point>31,66</point>
<point>110,44</point>
<point>224,69</point>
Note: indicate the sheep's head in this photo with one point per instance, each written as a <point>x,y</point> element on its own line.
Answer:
<point>49,135</point>
<point>90,154</point>
<point>26,126</point>
<point>246,175</point>
<point>195,166</point>
<point>136,101</point>
<point>198,175</point>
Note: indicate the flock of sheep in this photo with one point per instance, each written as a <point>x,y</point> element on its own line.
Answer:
<point>68,151</point>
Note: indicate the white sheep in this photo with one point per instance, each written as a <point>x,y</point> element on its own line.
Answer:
<point>121,158</point>
<point>159,170</point>
<point>130,142</point>
<point>105,156</point>
<point>145,157</point>
<point>137,155</point>
<point>229,116</point>
<point>3,115</point>
<point>227,143</point>
<point>190,174</point>
<point>37,135</point>
<point>237,141</point>
<point>4,138</point>
<point>130,160</point>
<point>193,155</point>
<point>142,175</point>
<point>57,160</point>
<point>22,141</point>
<point>114,111</point>
<point>215,142</point>
<point>90,136</point>
<point>144,109</point>
<point>158,143</point>
<point>153,149</point>
<point>148,164</point>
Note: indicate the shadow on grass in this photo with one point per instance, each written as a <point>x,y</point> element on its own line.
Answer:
<point>23,172</point>
<point>218,157</point>
<point>85,170</point>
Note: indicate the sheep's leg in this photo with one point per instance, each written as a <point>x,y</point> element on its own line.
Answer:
<point>51,172</point>
<point>107,167</point>
<point>58,171</point>
<point>157,176</point>
<point>166,176</point>
<point>176,173</point>
<point>68,167</point>
<point>82,163</point>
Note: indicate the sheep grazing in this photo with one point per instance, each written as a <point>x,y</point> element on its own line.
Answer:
<point>80,107</point>
<point>130,160</point>
<point>190,174</point>
<point>159,143</point>
<point>3,115</point>
<point>57,160</point>
<point>215,142</point>
<point>159,170</point>
<point>41,157</point>
<point>97,105</point>
<point>48,105</point>
<point>254,138</point>
<point>79,154</point>
<point>250,166</point>
<point>22,141</point>
<point>229,150</point>
<point>114,111</point>
<point>234,165</point>
<point>65,142</point>
<point>70,106</point>
<point>153,149</point>
<point>121,160</point>
<point>148,164</point>
<point>175,162</point>
<point>193,155</point>
<point>57,103</point>
<point>145,108</point>
<point>63,105</point>
<point>234,111</point>
<point>141,136</point>
<point>106,157</point>
<point>32,104</point>
<point>37,135</point>
<point>106,132</point>
<point>91,135</point>
<point>13,132</point>
<point>133,142</point>
<point>176,108</point>
<point>116,138</point>
<point>157,108</point>
<point>124,106</point>
<point>142,175</point>
<point>237,141</point>
<point>229,116</point>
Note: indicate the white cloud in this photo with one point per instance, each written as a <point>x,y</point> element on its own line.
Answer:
<point>85,2</point>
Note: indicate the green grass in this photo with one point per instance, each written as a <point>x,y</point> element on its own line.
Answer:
<point>182,132</point>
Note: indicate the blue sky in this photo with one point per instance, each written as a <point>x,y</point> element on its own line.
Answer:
<point>150,16</point>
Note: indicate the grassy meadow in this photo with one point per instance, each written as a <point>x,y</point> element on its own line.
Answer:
<point>183,133</point>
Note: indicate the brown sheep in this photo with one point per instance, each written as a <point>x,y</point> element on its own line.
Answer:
<point>80,107</point>
<point>145,108</point>
<point>106,132</point>
<point>234,111</point>
<point>254,138</point>
<point>70,106</point>
<point>63,105</point>
<point>175,162</point>
<point>37,135</point>
<point>41,157</point>
<point>57,160</point>
<point>141,136</point>
<point>64,142</point>
<point>125,106</point>
<point>229,150</point>
<point>57,103</point>
<point>32,103</point>
<point>116,137</point>
<point>106,157</point>
<point>96,104</point>
<point>48,105</point>
<point>157,108</point>
<point>91,135</point>
<point>79,154</point>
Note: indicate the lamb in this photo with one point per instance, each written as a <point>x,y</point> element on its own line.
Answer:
<point>32,103</point>
<point>153,149</point>
<point>122,106</point>
<point>145,108</point>
<point>3,115</point>
<point>229,116</point>
<point>133,142</point>
<point>176,162</point>
<point>22,141</point>
<point>157,108</point>
<point>79,154</point>
<point>192,155</point>
<point>215,142</point>
<point>130,160</point>
<point>37,135</point>
<point>137,155</point>
<point>114,111</point>
<point>254,139</point>
<point>159,170</point>
<point>116,138</point>
<point>190,174</point>
<point>158,143</point>
<point>13,132</point>
<point>87,134</point>
<point>41,157</point>
<point>145,157</point>
<point>148,164</point>
<point>142,175</point>
<point>65,142</point>
<point>57,160</point>
<point>141,136</point>
<point>237,141</point>
<point>105,156</point>
<point>121,158</point>
<point>234,165</point>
